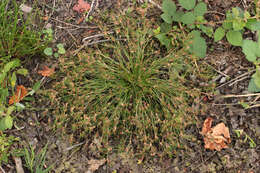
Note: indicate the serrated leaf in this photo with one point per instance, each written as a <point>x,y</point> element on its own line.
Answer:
<point>22,71</point>
<point>200,9</point>
<point>167,18</point>
<point>238,25</point>
<point>188,18</point>
<point>252,86</point>
<point>177,16</point>
<point>234,37</point>
<point>199,47</point>
<point>168,7</point>
<point>219,34</point>
<point>227,25</point>
<point>249,48</point>
<point>187,4</point>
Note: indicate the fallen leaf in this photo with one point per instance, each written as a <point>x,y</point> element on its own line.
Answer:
<point>215,138</point>
<point>81,7</point>
<point>19,94</point>
<point>95,164</point>
<point>46,71</point>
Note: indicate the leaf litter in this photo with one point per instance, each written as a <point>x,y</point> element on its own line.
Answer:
<point>215,138</point>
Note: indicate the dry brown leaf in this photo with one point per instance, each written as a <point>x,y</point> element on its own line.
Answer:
<point>19,94</point>
<point>95,164</point>
<point>81,7</point>
<point>215,138</point>
<point>46,71</point>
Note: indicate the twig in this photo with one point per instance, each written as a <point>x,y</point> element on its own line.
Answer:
<point>3,171</point>
<point>247,73</point>
<point>91,8</point>
<point>241,95</point>
<point>238,80</point>
<point>94,36</point>
<point>91,43</point>
<point>84,27</point>
<point>73,146</point>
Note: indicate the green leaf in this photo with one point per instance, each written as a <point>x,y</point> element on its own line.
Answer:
<point>177,16</point>
<point>227,25</point>
<point>165,27</point>
<point>11,65</point>
<point>22,71</point>
<point>10,109</point>
<point>48,51</point>
<point>249,48</point>
<point>188,18</point>
<point>164,40</point>
<point>35,88</point>
<point>168,7</point>
<point>61,51</point>
<point>238,25</point>
<point>167,18</point>
<point>6,123</point>
<point>234,37</point>
<point>56,55</point>
<point>252,86</point>
<point>219,34</point>
<point>199,47</point>
<point>200,9</point>
<point>60,45</point>
<point>187,4</point>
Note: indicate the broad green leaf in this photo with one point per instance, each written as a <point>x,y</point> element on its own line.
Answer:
<point>234,37</point>
<point>207,30</point>
<point>187,4</point>
<point>36,87</point>
<point>48,51</point>
<point>199,47</point>
<point>22,71</point>
<point>168,7</point>
<point>227,25</point>
<point>253,25</point>
<point>6,123</point>
<point>257,81</point>
<point>177,16</point>
<point>167,18</point>
<point>188,18</point>
<point>11,65</point>
<point>249,48</point>
<point>238,25</point>
<point>165,27</point>
<point>252,86</point>
<point>200,9</point>
<point>219,34</point>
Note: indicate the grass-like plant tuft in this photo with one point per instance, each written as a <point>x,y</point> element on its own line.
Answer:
<point>127,92</point>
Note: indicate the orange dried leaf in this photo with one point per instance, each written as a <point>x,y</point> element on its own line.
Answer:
<point>206,126</point>
<point>19,94</point>
<point>215,138</point>
<point>46,71</point>
<point>81,7</point>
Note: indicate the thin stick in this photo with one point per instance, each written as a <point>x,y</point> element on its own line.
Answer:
<point>94,36</point>
<point>86,27</point>
<point>91,8</point>
<point>241,95</point>
<point>152,2</point>
<point>3,171</point>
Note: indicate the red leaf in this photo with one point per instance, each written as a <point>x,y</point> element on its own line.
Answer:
<point>81,7</point>
<point>19,94</point>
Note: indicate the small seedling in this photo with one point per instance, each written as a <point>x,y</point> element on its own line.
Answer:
<point>55,52</point>
<point>241,132</point>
